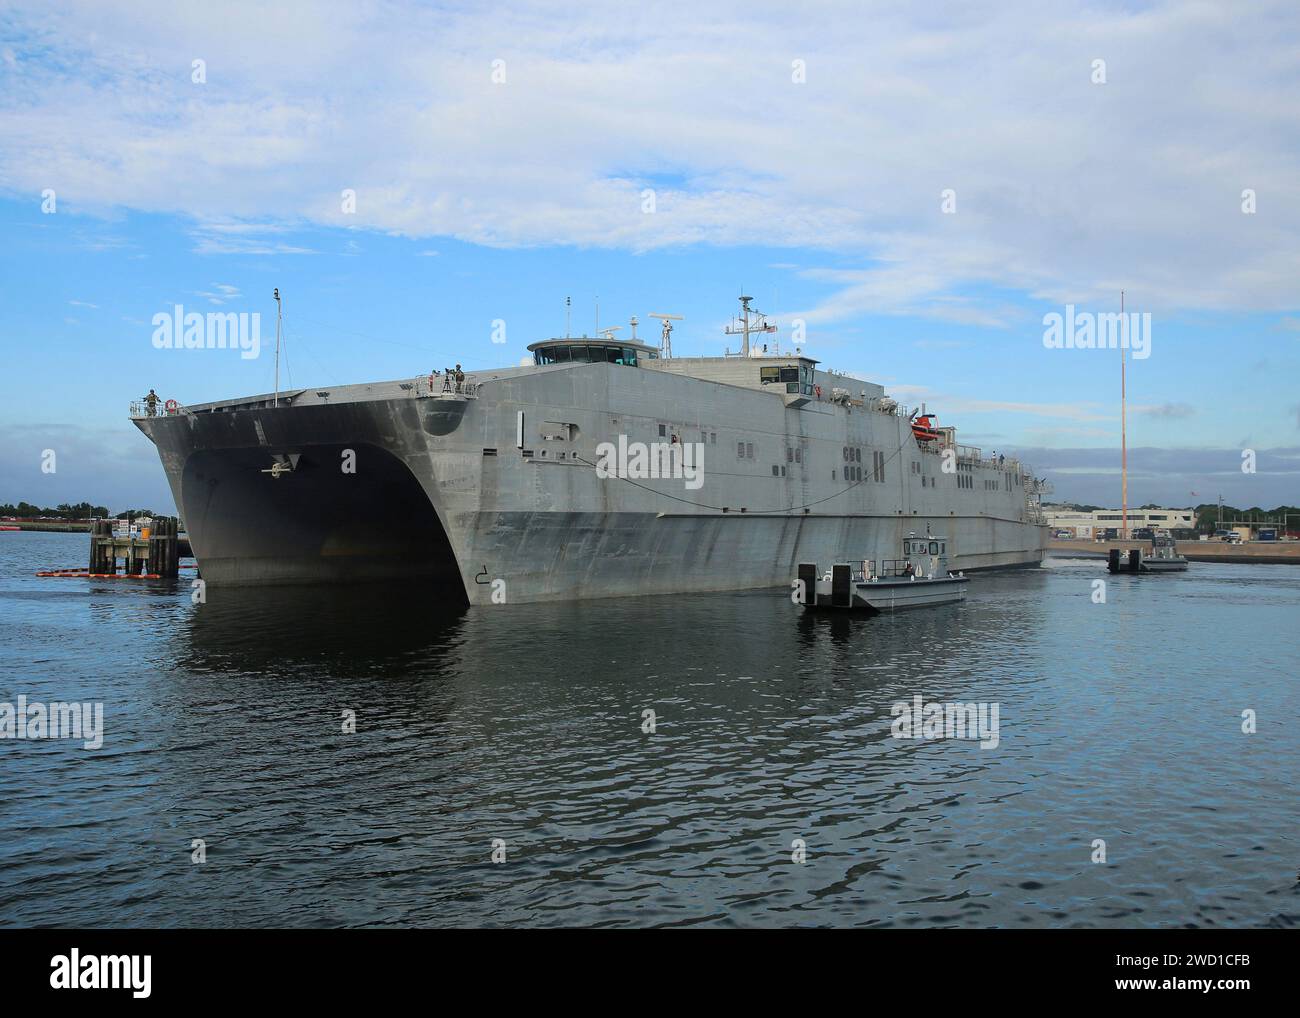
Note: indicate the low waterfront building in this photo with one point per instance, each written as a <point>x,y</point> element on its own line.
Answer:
<point>1083,524</point>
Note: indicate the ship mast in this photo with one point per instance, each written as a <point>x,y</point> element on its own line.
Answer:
<point>760,325</point>
<point>1123,419</point>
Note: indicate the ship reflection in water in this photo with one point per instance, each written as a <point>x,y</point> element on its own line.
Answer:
<point>225,722</point>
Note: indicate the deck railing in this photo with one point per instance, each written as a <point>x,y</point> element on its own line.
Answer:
<point>141,408</point>
<point>443,385</point>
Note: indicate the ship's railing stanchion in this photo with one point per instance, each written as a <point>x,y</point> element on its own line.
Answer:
<point>168,408</point>
<point>440,386</point>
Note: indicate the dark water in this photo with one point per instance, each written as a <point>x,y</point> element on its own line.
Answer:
<point>223,722</point>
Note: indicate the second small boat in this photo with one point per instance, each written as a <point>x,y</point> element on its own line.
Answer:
<point>919,579</point>
<point>1162,558</point>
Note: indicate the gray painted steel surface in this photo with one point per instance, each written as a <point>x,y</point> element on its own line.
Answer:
<point>444,488</point>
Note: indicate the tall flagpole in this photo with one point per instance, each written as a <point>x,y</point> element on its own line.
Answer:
<point>1123,417</point>
<point>276,401</point>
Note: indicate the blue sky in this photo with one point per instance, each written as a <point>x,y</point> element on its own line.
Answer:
<point>479,199</point>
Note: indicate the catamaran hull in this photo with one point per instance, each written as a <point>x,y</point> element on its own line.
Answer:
<point>438,489</point>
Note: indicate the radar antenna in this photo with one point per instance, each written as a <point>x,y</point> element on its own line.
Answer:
<point>666,340</point>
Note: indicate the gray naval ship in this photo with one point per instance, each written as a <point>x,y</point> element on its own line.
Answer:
<point>603,468</point>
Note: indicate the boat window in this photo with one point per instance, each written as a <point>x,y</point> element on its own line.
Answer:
<point>790,375</point>
<point>579,353</point>
<point>614,354</point>
<point>934,547</point>
<point>629,356</point>
<point>768,375</point>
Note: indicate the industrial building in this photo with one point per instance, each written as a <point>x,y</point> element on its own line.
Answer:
<point>1100,521</point>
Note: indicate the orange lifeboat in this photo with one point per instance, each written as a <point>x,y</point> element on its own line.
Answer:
<point>923,429</point>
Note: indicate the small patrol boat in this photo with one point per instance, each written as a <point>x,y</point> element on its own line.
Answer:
<point>1162,558</point>
<point>919,579</point>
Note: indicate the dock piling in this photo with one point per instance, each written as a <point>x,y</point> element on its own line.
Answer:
<point>158,555</point>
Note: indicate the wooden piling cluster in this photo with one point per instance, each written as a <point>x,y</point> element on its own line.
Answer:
<point>164,550</point>
<point>157,555</point>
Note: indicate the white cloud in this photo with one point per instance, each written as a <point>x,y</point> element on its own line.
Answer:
<point>220,293</point>
<point>1065,190</point>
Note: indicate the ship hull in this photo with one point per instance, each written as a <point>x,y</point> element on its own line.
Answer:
<point>438,489</point>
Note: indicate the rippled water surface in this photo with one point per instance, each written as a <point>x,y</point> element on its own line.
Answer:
<point>1119,721</point>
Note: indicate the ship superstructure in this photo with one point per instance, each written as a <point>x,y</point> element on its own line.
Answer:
<point>562,478</point>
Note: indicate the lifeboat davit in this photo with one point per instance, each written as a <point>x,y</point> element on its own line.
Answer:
<point>923,429</point>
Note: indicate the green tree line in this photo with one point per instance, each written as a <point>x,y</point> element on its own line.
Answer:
<point>66,511</point>
<point>1207,516</point>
